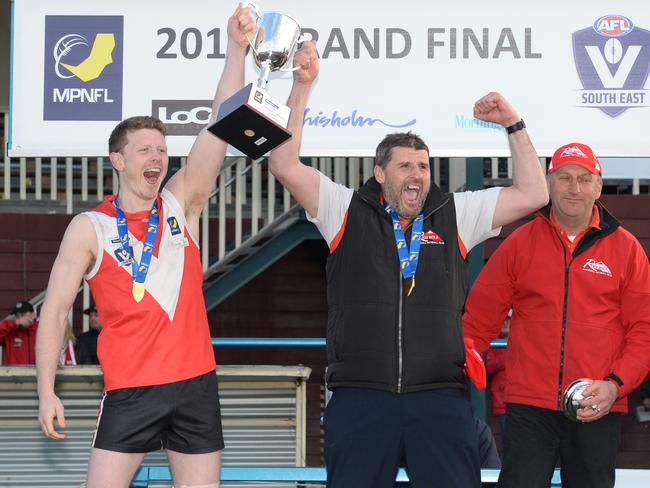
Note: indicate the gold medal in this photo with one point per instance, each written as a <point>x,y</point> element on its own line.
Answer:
<point>138,291</point>
<point>409,284</point>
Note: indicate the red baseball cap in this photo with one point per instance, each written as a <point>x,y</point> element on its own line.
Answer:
<point>576,153</point>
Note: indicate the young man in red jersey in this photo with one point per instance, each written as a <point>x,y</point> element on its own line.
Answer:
<point>139,252</point>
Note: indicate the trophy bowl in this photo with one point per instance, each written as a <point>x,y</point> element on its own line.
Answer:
<point>572,397</point>
<point>276,38</point>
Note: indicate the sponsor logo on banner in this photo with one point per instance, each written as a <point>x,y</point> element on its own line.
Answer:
<point>613,61</point>
<point>83,67</point>
<point>469,122</point>
<point>182,117</point>
<point>350,118</point>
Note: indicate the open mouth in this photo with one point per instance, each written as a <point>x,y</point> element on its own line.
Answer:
<point>411,194</point>
<point>152,175</point>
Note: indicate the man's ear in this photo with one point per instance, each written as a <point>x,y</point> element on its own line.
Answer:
<point>600,187</point>
<point>378,171</point>
<point>117,160</point>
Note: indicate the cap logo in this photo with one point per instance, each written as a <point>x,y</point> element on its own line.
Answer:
<point>573,151</point>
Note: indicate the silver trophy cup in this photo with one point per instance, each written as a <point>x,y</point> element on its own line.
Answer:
<point>572,396</point>
<point>276,39</point>
<point>251,120</point>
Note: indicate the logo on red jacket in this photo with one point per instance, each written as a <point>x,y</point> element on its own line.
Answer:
<point>430,237</point>
<point>597,267</point>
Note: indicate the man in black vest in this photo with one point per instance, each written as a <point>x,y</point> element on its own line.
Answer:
<point>397,281</point>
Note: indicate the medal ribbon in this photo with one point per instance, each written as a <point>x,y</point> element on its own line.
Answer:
<point>139,270</point>
<point>408,258</point>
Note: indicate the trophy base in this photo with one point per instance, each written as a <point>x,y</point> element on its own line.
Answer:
<point>252,121</point>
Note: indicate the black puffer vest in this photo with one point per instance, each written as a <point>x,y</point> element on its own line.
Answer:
<point>377,337</point>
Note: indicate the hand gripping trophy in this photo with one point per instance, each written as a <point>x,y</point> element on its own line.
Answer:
<point>251,120</point>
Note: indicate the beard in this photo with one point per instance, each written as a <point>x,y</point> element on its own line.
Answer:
<point>392,196</point>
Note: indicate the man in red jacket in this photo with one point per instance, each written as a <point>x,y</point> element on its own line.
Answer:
<point>18,335</point>
<point>579,287</point>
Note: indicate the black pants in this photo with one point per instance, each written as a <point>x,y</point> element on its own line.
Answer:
<point>537,437</point>
<point>370,433</point>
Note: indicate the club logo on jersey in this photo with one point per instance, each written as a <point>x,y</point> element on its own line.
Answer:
<point>173,226</point>
<point>597,267</point>
<point>83,67</point>
<point>123,257</point>
<point>430,237</point>
<point>613,61</point>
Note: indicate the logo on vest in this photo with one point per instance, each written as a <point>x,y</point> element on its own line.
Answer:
<point>430,237</point>
<point>597,267</point>
<point>173,226</point>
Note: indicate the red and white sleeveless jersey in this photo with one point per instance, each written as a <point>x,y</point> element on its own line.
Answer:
<point>166,337</point>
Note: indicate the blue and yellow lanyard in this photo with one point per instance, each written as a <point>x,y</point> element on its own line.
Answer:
<point>139,270</point>
<point>408,258</point>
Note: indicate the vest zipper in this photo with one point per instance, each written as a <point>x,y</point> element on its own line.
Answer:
<point>401,309</point>
<point>399,334</point>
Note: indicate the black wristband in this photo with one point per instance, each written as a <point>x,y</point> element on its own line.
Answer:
<point>515,127</point>
<point>615,379</point>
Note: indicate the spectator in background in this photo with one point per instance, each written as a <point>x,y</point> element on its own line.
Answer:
<point>67,356</point>
<point>18,335</point>
<point>496,368</point>
<point>87,342</point>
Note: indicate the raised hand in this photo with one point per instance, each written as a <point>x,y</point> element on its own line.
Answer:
<point>241,24</point>
<point>307,59</point>
<point>494,108</point>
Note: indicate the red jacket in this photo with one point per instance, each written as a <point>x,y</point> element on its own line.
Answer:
<point>496,368</point>
<point>578,311</point>
<point>18,344</point>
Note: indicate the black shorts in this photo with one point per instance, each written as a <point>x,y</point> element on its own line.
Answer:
<point>183,416</point>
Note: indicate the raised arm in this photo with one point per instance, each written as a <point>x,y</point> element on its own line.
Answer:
<point>76,255</point>
<point>192,184</point>
<point>302,181</point>
<point>528,191</point>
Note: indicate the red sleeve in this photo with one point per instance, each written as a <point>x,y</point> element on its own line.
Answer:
<point>6,327</point>
<point>490,298</point>
<point>496,360</point>
<point>633,363</point>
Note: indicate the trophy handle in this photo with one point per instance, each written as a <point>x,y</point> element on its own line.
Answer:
<point>258,13</point>
<point>300,40</point>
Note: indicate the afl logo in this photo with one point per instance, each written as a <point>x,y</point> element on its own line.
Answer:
<point>613,25</point>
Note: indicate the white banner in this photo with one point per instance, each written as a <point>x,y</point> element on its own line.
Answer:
<point>574,70</point>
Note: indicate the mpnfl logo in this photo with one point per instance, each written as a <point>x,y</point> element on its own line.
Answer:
<point>613,60</point>
<point>182,117</point>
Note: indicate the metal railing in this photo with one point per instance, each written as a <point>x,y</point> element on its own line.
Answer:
<point>318,475</point>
